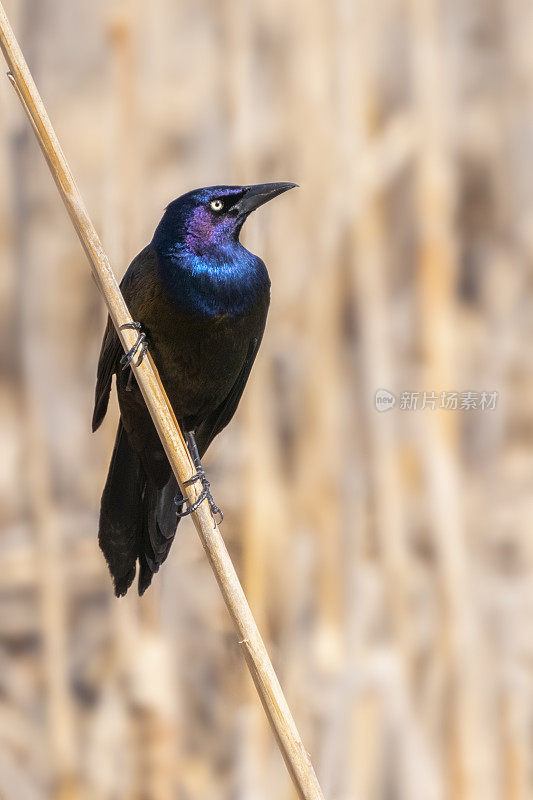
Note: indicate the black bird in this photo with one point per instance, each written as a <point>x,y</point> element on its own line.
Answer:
<point>200,300</point>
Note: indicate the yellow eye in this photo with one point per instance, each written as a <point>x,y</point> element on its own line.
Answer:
<point>216,205</point>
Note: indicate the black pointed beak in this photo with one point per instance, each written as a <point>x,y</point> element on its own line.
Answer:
<point>259,194</point>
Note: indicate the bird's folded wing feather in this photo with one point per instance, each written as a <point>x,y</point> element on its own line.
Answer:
<point>133,286</point>
<point>109,355</point>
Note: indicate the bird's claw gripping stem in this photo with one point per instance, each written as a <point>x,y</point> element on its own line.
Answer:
<point>198,476</point>
<point>205,494</point>
<point>140,345</point>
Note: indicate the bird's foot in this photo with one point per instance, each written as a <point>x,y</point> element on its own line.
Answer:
<point>215,510</point>
<point>205,495</point>
<point>140,346</point>
<point>179,500</point>
<point>198,476</point>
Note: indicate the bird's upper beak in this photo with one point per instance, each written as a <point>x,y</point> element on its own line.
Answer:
<point>259,194</point>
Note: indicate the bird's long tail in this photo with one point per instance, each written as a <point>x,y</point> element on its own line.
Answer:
<point>137,519</point>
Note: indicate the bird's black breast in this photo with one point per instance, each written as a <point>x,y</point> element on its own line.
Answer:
<point>199,360</point>
<point>199,355</point>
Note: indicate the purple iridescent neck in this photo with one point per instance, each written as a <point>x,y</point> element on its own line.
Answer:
<point>202,232</point>
<point>190,223</point>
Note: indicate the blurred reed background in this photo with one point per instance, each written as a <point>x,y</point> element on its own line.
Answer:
<point>388,557</point>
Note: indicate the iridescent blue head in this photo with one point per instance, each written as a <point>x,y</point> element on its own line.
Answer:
<point>202,265</point>
<point>208,221</point>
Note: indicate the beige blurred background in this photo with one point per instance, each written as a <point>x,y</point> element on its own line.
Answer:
<point>388,556</point>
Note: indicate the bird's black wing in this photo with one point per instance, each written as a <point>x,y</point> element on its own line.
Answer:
<point>135,287</point>
<point>222,415</point>
<point>107,365</point>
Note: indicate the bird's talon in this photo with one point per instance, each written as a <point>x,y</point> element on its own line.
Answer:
<point>205,495</point>
<point>140,345</point>
<point>206,487</point>
<point>193,506</point>
<point>198,476</point>
<point>215,511</point>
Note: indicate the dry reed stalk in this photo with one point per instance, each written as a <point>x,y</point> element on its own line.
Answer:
<point>295,756</point>
<point>48,576</point>
<point>51,586</point>
<point>366,736</point>
<point>469,768</point>
<point>516,753</point>
<point>360,35</point>
<point>319,482</point>
<point>123,26</point>
<point>363,164</point>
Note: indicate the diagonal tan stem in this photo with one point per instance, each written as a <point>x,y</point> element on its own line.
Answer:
<point>265,679</point>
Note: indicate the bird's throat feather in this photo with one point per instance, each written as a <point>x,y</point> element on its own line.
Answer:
<point>216,281</point>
